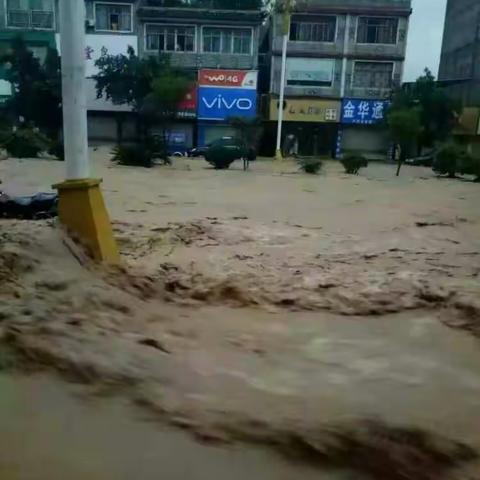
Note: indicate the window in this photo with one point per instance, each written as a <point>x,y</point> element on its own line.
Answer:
<point>170,38</point>
<point>322,30</point>
<point>227,40</point>
<point>373,75</point>
<point>30,14</point>
<point>310,72</point>
<point>377,30</point>
<point>112,17</point>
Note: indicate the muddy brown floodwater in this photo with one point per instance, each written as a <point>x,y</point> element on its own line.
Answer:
<point>51,431</point>
<point>332,318</point>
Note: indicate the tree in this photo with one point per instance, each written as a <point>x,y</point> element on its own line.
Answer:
<point>127,80</point>
<point>405,127</point>
<point>160,106</point>
<point>148,85</point>
<point>438,112</point>
<point>36,88</point>
<point>248,130</point>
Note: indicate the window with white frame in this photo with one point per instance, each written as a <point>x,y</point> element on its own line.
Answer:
<point>373,74</point>
<point>30,14</point>
<point>227,40</point>
<point>381,30</point>
<point>170,38</point>
<point>113,17</point>
<point>322,30</point>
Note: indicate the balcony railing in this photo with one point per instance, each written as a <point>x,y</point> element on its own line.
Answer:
<point>30,19</point>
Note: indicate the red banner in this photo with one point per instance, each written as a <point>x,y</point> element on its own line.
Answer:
<point>228,78</point>
<point>187,108</point>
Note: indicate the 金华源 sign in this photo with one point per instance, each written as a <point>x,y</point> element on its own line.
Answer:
<point>363,112</point>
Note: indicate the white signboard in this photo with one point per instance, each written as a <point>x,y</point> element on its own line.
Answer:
<point>97,44</point>
<point>310,72</point>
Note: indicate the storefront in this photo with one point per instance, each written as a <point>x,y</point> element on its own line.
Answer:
<point>313,122</point>
<point>223,94</point>
<point>363,128</point>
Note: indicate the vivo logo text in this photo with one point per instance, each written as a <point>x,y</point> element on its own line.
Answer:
<point>221,102</point>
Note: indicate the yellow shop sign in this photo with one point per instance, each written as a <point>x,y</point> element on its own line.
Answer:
<point>307,110</point>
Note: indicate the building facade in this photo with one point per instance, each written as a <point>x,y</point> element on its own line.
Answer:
<point>343,59</point>
<point>110,26</point>
<point>460,59</point>
<point>35,21</point>
<point>197,40</point>
<point>459,70</point>
<point>219,48</point>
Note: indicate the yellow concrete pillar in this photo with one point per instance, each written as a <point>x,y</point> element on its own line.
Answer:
<point>82,211</point>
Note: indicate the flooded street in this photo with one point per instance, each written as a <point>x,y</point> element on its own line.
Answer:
<point>278,316</point>
<point>52,431</point>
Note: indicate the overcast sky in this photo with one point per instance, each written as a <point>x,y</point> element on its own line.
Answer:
<point>425,37</point>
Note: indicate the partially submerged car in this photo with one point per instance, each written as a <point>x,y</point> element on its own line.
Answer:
<point>32,207</point>
<point>223,152</point>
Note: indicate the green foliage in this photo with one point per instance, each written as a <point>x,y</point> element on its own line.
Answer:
<point>353,163</point>
<point>36,88</point>
<point>141,154</point>
<point>148,85</point>
<point>127,79</point>
<point>160,106</point>
<point>446,160</point>
<point>405,127</point>
<point>437,112</point>
<point>247,130</point>
<point>469,165</point>
<point>137,155</point>
<point>452,159</point>
<point>25,142</point>
<point>57,149</point>
<point>310,165</point>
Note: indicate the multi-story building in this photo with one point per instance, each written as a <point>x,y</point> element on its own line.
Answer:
<point>202,40</point>
<point>109,25</point>
<point>343,59</point>
<point>35,20</point>
<point>460,59</point>
<point>459,71</point>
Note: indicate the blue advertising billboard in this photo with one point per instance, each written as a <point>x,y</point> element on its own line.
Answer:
<point>363,112</point>
<point>217,103</point>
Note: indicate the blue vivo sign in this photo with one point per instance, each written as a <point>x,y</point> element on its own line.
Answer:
<point>216,103</point>
<point>363,112</point>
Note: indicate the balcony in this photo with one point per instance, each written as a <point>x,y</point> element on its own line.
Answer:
<point>30,19</point>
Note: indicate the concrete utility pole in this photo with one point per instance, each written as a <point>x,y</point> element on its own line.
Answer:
<point>285,7</point>
<point>72,34</point>
<point>81,208</point>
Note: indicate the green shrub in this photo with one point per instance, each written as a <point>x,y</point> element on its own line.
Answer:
<point>57,149</point>
<point>133,155</point>
<point>310,165</point>
<point>469,165</point>
<point>448,159</point>
<point>25,142</point>
<point>353,163</point>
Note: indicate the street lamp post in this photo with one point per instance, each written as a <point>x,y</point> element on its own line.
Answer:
<point>81,208</point>
<point>285,8</point>
<point>72,34</point>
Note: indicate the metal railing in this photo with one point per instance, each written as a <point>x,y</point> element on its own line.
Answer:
<point>35,19</point>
